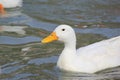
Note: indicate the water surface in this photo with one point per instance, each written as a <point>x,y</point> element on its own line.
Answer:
<point>23,57</point>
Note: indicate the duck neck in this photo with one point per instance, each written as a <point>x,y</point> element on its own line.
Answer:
<point>70,45</point>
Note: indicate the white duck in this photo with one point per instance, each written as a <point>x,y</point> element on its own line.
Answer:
<point>9,4</point>
<point>88,59</point>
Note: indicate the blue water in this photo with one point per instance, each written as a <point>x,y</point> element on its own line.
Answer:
<point>23,57</point>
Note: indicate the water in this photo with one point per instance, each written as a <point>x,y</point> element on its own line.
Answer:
<point>23,57</point>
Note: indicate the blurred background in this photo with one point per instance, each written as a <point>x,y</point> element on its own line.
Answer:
<point>23,57</point>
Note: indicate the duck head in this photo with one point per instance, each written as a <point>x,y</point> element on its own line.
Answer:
<point>63,33</point>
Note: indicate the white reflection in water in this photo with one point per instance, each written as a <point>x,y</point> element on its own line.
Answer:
<point>17,29</point>
<point>26,49</point>
<point>109,74</point>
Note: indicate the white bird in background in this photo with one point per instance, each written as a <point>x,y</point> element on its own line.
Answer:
<point>88,59</point>
<point>9,4</point>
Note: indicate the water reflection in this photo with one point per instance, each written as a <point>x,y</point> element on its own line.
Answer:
<point>16,29</point>
<point>38,61</point>
<point>23,57</point>
<point>12,12</point>
<point>4,40</point>
<point>107,32</point>
<point>108,74</point>
<point>74,12</point>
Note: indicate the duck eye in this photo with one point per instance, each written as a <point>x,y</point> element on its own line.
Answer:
<point>63,29</point>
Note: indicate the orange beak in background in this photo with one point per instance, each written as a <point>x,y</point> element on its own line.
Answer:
<point>2,11</point>
<point>50,38</point>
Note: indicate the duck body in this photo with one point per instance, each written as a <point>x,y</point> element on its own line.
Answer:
<point>88,59</point>
<point>11,3</point>
<point>91,58</point>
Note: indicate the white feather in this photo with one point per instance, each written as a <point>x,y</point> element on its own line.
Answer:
<point>88,59</point>
<point>11,3</point>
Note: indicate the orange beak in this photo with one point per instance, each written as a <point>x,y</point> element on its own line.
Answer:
<point>50,38</point>
<point>2,11</point>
